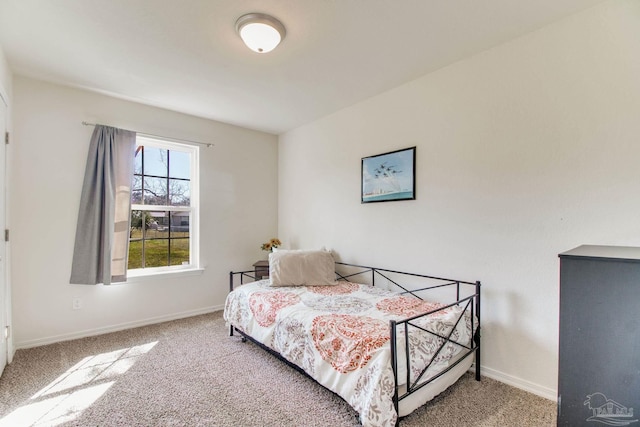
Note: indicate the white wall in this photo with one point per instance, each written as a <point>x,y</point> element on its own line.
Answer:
<point>523,151</point>
<point>238,212</point>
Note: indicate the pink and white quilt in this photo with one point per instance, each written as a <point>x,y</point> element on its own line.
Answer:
<point>339,334</point>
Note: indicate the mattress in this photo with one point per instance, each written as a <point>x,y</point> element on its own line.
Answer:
<point>340,336</point>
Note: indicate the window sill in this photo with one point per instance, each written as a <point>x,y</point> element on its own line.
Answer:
<point>142,276</point>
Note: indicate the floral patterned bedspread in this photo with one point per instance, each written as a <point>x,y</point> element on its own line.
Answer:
<point>340,336</point>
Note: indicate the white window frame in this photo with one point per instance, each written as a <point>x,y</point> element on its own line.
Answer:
<point>194,209</point>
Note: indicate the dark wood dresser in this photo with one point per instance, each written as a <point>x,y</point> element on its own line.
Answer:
<point>599,352</point>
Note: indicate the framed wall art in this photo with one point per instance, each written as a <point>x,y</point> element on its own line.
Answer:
<point>389,176</point>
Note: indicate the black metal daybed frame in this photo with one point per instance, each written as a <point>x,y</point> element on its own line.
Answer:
<point>470,302</point>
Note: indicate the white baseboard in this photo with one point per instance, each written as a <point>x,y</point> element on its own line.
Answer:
<point>537,389</point>
<point>114,328</point>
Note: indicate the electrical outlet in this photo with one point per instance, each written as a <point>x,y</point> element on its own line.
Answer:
<point>76,303</point>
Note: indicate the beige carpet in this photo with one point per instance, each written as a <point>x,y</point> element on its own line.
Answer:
<point>190,373</point>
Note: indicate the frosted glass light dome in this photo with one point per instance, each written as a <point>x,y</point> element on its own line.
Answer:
<point>261,33</point>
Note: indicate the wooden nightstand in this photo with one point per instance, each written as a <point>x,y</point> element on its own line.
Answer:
<point>261,269</point>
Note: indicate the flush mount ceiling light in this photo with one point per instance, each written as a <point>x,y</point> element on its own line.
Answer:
<point>261,33</point>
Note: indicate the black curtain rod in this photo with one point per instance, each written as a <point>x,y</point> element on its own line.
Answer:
<point>185,141</point>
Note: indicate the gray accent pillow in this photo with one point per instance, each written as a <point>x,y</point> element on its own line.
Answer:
<point>301,267</point>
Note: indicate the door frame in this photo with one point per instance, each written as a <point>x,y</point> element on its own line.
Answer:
<point>5,310</point>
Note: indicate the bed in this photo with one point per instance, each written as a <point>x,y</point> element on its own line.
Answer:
<point>385,341</point>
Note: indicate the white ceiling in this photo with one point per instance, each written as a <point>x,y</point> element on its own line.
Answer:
<point>184,55</point>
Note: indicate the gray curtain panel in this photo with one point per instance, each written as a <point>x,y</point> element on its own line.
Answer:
<point>102,233</point>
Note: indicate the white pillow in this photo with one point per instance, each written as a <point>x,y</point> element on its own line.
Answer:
<point>322,248</point>
<point>300,267</point>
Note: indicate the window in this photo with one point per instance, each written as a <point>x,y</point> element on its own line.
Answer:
<point>164,206</point>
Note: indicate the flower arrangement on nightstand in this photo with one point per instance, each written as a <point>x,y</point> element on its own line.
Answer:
<point>271,245</point>
<point>262,267</point>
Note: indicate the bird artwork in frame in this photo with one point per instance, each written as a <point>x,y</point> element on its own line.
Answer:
<point>389,176</point>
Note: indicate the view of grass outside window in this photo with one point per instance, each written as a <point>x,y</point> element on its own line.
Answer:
<point>162,211</point>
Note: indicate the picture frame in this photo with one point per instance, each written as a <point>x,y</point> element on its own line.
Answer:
<point>389,176</point>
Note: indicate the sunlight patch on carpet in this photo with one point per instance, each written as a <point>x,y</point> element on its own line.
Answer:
<point>65,398</point>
